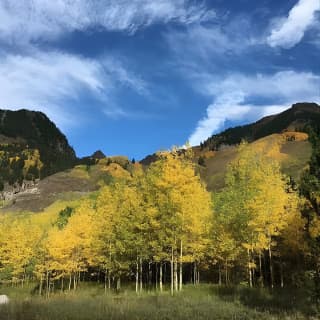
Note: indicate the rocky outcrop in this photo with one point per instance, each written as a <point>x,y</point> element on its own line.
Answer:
<point>11,192</point>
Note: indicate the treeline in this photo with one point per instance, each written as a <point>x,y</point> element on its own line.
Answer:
<point>161,228</point>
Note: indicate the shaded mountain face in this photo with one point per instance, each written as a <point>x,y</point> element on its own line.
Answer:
<point>31,146</point>
<point>297,118</point>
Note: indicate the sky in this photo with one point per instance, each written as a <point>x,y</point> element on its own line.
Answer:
<point>132,77</point>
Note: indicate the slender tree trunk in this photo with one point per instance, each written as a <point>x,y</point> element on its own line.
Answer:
<point>105,281</point>
<point>226,272</point>
<point>261,271</point>
<point>220,276</point>
<point>141,274</point>
<point>195,273</point>
<point>198,276</point>
<point>181,268</point>
<point>249,269</point>
<point>271,268</point>
<point>281,274</point>
<point>22,281</point>
<point>75,282</point>
<point>176,274</point>
<point>47,283</point>
<point>118,284</point>
<point>137,276</point>
<point>156,266</point>
<point>160,277</point>
<point>171,262</point>
<point>62,284</point>
<point>109,280</point>
<point>40,286</point>
<point>149,275</point>
<point>70,281</point>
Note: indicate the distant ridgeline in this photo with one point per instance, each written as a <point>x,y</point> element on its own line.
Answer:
<point>31,147</point>
<point>299,117</point>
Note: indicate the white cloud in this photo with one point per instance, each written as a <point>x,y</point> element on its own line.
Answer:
<point>291,30</point>
<point>50,81</point>
<point>38,19</point>
<point>207,43</point>
<point>231,98</point>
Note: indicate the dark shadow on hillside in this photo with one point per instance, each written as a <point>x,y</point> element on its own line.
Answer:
<point>288,300</point>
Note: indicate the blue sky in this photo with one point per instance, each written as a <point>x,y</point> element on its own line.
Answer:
<point>135,76</point>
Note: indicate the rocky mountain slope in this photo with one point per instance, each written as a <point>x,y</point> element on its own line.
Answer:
<point>31,147</point>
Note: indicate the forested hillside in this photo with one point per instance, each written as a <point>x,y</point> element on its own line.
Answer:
<point>31,147</point>
<point>298,118</point>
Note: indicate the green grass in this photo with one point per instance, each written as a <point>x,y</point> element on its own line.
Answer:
<point>203,302</point>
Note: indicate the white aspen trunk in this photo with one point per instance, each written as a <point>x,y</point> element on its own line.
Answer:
<point>118,283</point>
<point>47,280</point>
<point>281,274</point>
<point>160,277</point>
<point>75,282</point>
<point>271,267</point>
<point>149,275</point>
<point>40,286</point>
<point>137,276</point>
<point>156,265</point>
<point>175,274</point>
<point>70,281</point>
<point>261,272</point>
<point>171,263</point>
<point>249,269</point>
<point>105,281</point>
<point>181,269</point>
<point>141,275</point>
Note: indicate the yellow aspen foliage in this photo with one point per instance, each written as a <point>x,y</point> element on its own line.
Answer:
<point>69,249</point>
<point>18,241</point>
<point>118,208</point>
<point>183,203</point>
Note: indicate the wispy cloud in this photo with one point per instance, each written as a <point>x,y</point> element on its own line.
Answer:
<point>37,19</point>
<point>289,31</point>
<point>208,42</point>
<point>48,81</point>
<point>232,96</point>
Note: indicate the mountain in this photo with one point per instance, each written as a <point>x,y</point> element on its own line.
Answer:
<point>291,149</point>
<point>297,118</point>
<point>31,146</point>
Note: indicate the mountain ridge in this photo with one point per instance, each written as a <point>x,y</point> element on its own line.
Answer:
<point>295,118</point>
<point>31,147</point>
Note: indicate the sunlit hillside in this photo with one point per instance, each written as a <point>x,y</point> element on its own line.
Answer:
<point>291,149</point>
<point>71,184</point>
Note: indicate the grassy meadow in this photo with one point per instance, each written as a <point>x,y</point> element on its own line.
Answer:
<point>201,302</point>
